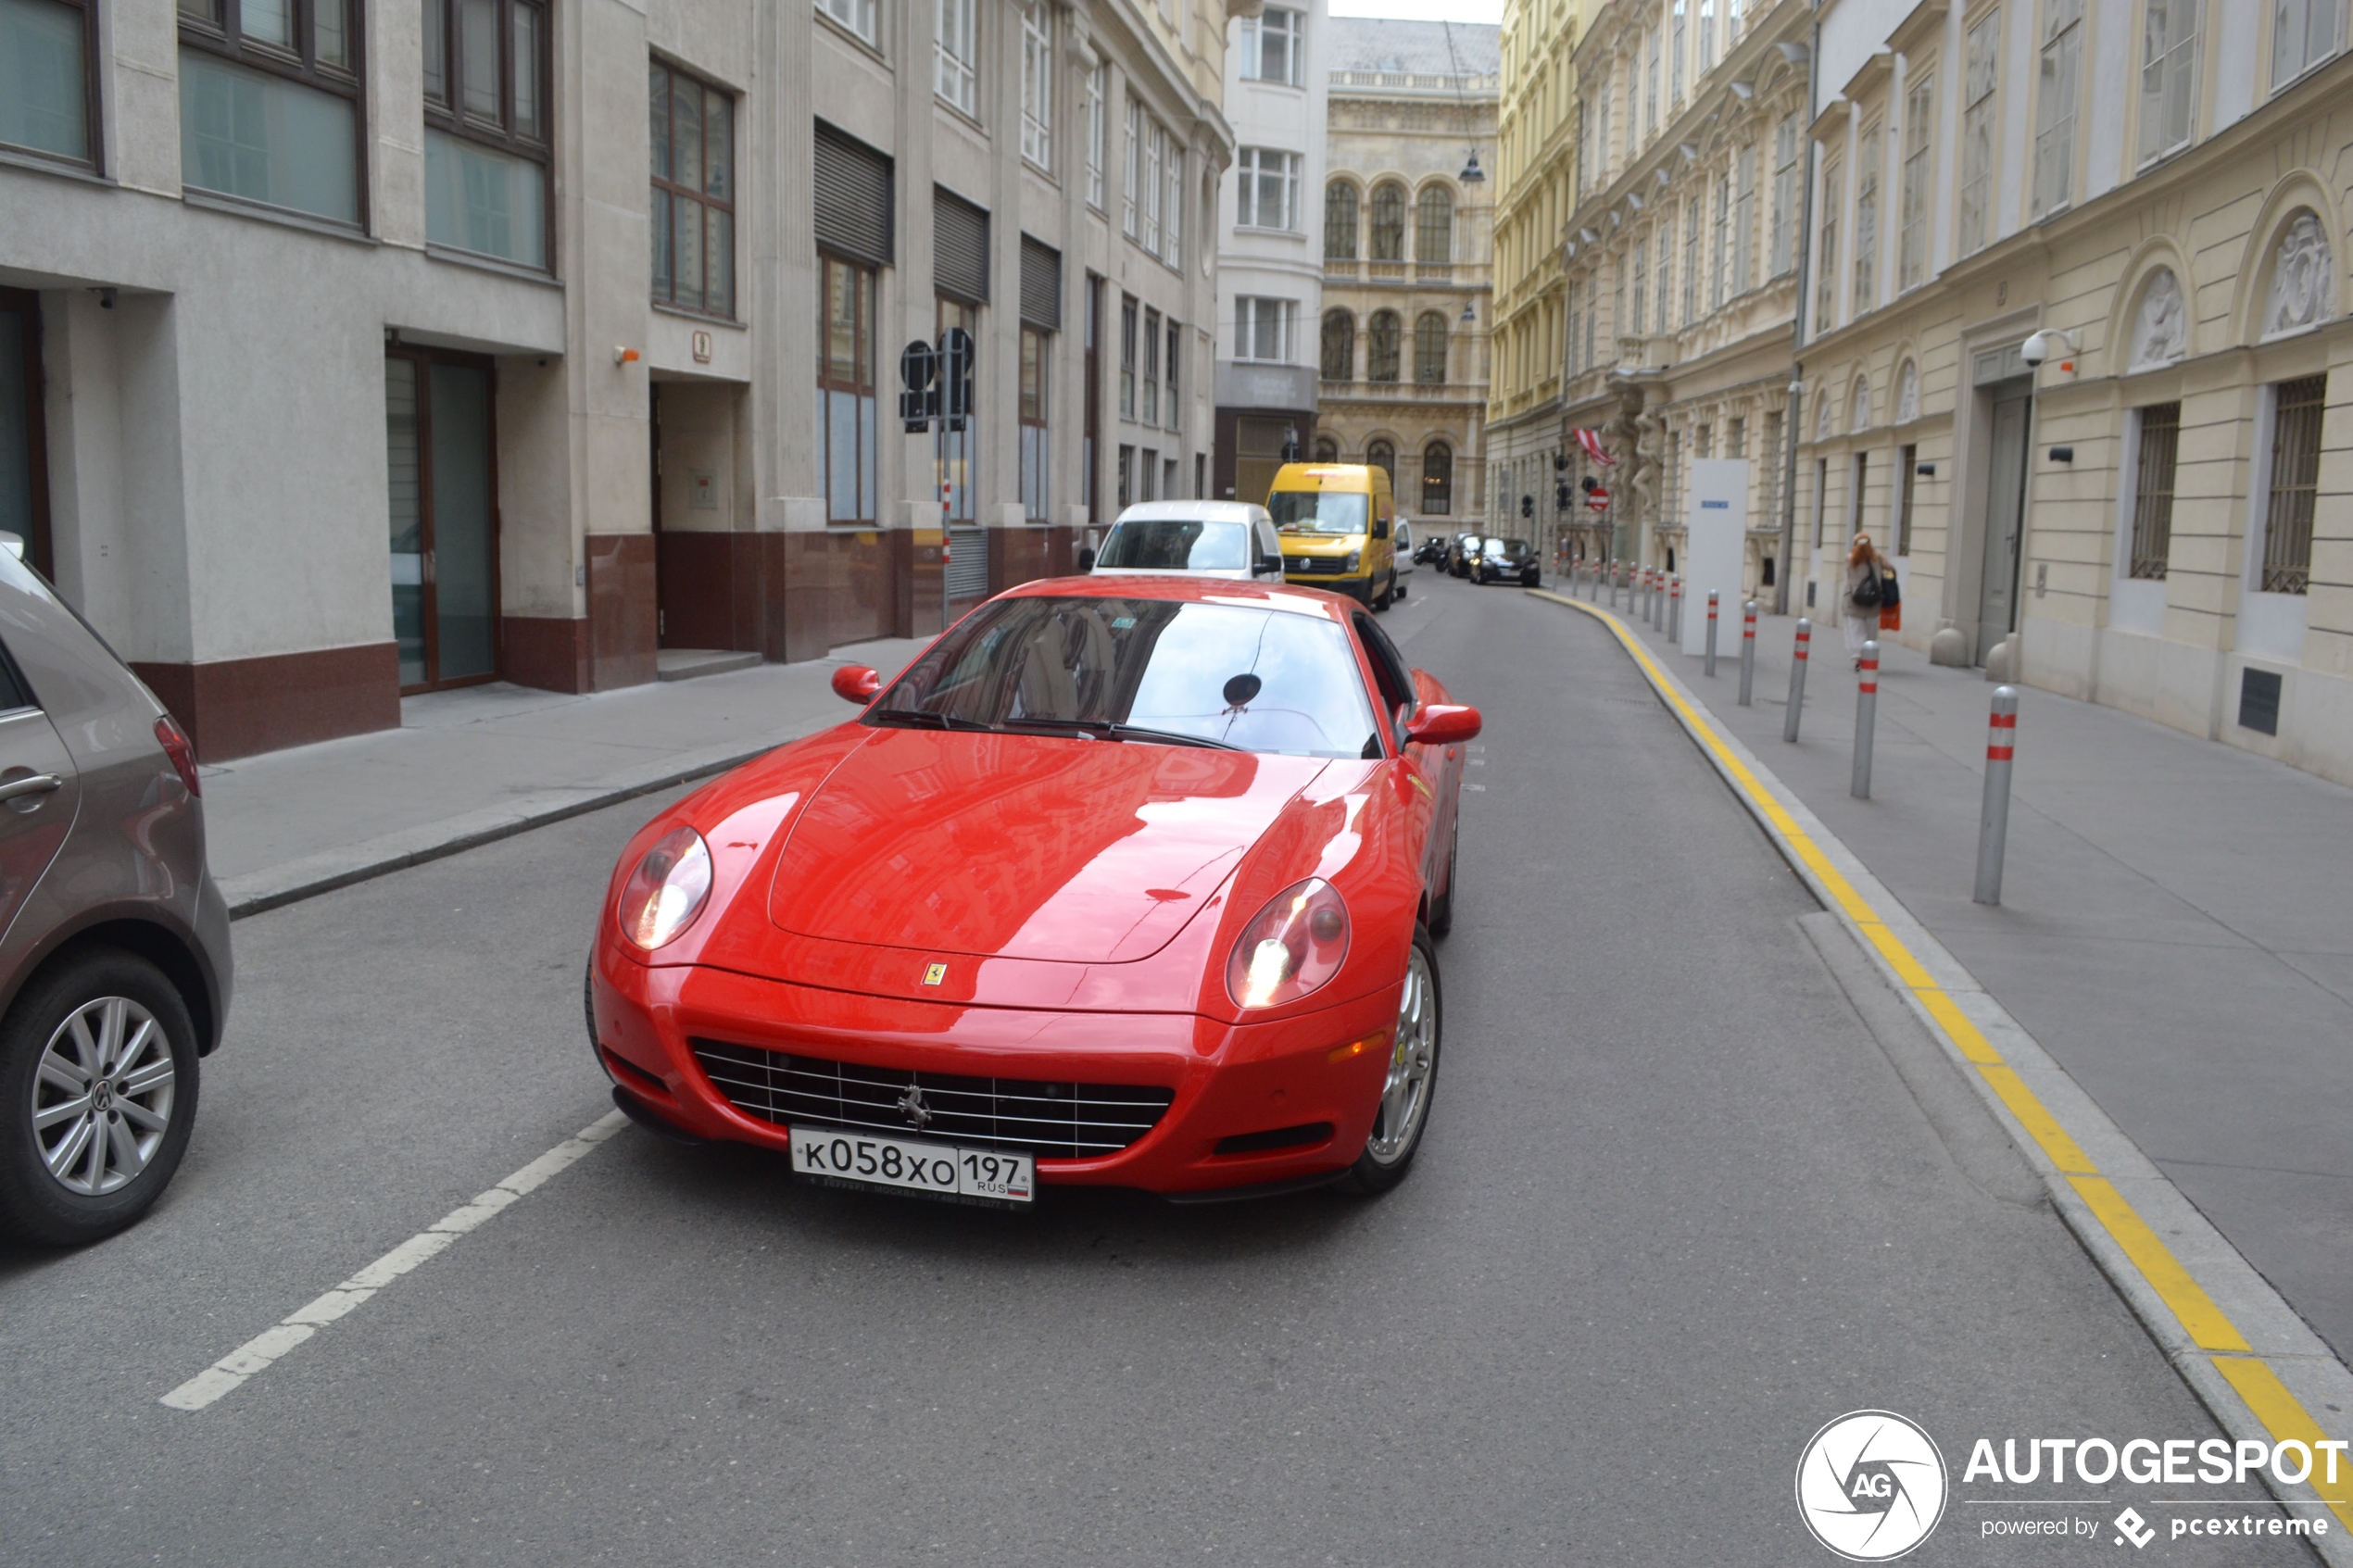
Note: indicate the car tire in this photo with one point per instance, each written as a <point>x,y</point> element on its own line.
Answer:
<point>1441,909</point>
<point>1412,1077</point>
<point>119,1005</point>
<point>1387,594</point>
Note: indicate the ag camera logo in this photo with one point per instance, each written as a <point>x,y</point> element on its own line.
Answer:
<point>1870,1485</point>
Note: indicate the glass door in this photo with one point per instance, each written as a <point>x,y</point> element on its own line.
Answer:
<point>444,517</point>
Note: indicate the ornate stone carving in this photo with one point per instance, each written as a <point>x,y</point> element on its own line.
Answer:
<point>1862,407</point>
<point>1908,392</point>
<point>2161,326</point>
<point>2303,282</point>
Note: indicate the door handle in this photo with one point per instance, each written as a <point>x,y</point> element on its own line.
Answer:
<point>19,790</point>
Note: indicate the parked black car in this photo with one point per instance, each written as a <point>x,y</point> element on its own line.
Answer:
<point>1506,560</point>
<point>113,968</point>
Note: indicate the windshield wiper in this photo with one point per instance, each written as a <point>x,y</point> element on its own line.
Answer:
<point>1111,729</point>
<point>919,719</point>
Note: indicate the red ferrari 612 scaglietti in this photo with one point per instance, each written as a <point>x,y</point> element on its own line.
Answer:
<point>1126,882</point>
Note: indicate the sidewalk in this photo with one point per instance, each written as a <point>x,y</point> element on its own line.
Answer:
<point>2176,925</point>
<point>480,762</point>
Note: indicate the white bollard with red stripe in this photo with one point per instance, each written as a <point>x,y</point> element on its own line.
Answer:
<point>1993,819</point>
<point>1866,720</point>
<point>1711,633</point>
<point>1797,679</point>
<point>1675,610</point>
<point>1748,650</point>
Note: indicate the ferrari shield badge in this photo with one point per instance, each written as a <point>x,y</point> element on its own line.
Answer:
<point>934,973</point>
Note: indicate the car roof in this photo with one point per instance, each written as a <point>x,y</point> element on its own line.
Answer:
<point>1191,511</point>
<point>1188,590</point>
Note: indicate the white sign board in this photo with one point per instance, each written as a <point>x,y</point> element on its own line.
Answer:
<point>1715,550</point>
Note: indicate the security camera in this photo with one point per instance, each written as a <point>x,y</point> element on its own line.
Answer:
<point>2035,350</point>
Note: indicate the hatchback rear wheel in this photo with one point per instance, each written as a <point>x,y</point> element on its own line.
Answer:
<point>97,1094</point>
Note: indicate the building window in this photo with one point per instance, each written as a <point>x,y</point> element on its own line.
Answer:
<point>1327,449</point>
<point>1641,319</point>
<point>1706,35</point>
<point>1262,328</point>
<point>1430,349</point>
<point>956,47</point>
<point>1340,221</point>
<point>2054,106</point>
<point>46,47</point>
<point>1127,308</point>
<point>2169,76</point>
<point>1434,228</point>
<point>488,84</point>
<point>1694,214</point>
<point>1907,470</point>
<point>2303,34</point>
<point>858,16</point>
<point>1978,81</point>
<point>846,389</point>
<point>1174,408</point>
<point>1155,148</point>
<point>2160,434</point>
<point>1273,47</point>
<point>1340,346</point>
<point>2296,473</point>
<point>1130,198</point>
<point>1674,70</point>
<point>1920,103</point>
<point>269,103</point>
<point>1035,354</point>
<point>1650,90</point>
<point>1382,346</point>
<point>1098,136</point>
<point>1592,310</point>
<point>1389,222</point>
<point>1736,438</point>
<point>1269,185</point>
<point>1826,253</point>
<point>1149,412</point>
<point>1785,240</point>
<point>1167,211</point>
<point>1744,221</point>
<point>1038,84</point>
<point>1127,481</point>
<point>1867,226</point>
<point>1383,456</point>
<point>1438,478</point>
<point>692,216</point>
<point>1720,274</point>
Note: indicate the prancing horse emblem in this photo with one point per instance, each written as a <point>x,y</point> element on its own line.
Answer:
<point>912,1102</point>
<point>934,973</point>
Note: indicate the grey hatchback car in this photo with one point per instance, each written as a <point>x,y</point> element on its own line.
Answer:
<point>114,938</point>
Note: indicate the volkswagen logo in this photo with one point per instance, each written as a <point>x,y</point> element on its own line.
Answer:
<point>918,1113</point>
<point>1870,1485</point>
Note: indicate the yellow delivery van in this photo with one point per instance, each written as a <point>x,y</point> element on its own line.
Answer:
<point>1338,523</point>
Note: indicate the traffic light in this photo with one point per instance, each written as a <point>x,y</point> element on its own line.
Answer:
<point>1560,462</point>
<point>1561,495</point>
<point>1528,506</point>
<point>1591,483</point>
<point>956,377</point>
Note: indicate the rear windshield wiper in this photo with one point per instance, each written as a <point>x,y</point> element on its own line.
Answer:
<point>920,719</point>
<point>1111,730</point>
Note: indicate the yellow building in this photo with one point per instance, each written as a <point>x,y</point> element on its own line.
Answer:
<point>1536,187</point>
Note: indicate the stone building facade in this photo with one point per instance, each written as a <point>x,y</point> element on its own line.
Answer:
<point>367,346</point>
<point>1403,346</point>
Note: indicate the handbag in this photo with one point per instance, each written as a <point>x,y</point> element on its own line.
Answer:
<point>1867,593</point>
<point>1888,595</point>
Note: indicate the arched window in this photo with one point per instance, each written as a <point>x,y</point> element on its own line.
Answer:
<point>1381,455</point>
<point>1430,348</point>
<point>1438,478</point>
<point>1340,221</point>
<point>1340,346</point>
<point>1389,222</point>
<point>1434,228</point>
<point>1382,346</point>
<point>1327,449</point>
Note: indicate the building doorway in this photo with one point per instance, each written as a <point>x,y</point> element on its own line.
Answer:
<point>444,504</point>
<point>24,447</point>
<point>2005,517</point>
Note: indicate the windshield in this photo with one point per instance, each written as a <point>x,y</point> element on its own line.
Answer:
<point>1235,675</point>
<point>1317,511</point>
<point>1513,549</point>
<point>1175,545</point>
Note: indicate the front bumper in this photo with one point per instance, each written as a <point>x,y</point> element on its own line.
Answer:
<point>1227,1081</point>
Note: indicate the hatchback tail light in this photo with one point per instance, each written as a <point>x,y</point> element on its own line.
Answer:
<point>182,754</point>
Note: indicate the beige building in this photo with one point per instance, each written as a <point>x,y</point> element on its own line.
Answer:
<point>2156,518</point>
<point>1680,258</point>
<point>1403,344</point>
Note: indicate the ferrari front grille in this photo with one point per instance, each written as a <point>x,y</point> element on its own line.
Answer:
<point>1055,1120</point>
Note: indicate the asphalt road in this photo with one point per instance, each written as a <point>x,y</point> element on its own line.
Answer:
<point>1679,1205</point>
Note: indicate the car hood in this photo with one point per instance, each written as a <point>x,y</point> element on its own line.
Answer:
<point>1024,846</point>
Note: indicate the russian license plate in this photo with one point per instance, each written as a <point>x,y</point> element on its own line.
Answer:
<point>852,1159</point>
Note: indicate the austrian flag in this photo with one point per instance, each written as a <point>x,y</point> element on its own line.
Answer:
<point>1591,441</point>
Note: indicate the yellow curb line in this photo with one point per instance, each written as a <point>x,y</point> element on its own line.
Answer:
<point>2209,1327</point>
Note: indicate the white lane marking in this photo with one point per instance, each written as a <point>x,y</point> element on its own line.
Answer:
<point>225,1374</point>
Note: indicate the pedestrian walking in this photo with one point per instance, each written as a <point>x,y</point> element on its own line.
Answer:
<point>1868,575</point>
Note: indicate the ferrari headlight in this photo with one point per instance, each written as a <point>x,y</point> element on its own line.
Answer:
<point>667,890</point>
<point>1294,946</point>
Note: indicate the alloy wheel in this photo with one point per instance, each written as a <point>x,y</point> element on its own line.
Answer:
<point>1413,1060</point>
<point>102,1096</point>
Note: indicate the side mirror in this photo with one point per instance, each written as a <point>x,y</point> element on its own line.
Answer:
<point>1442,723</point>
<point>1380,528</point>
<point>855,682</point>
<point>1085,562</point>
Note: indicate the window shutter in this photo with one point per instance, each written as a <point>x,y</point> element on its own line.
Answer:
<point>960,248</point>
<point>854,199</point>
<point>1041,286</point>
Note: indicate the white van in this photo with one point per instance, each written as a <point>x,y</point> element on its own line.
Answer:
<point>1192,539</point>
